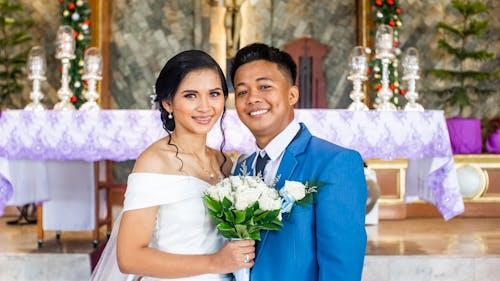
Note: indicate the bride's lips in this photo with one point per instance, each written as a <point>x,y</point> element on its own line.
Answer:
<point>258,112</point>
<point>202,119</point>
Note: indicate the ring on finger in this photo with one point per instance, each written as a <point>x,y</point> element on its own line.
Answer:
<point>247,259</point>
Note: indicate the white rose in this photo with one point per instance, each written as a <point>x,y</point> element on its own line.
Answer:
<point>220,190</point>
<point>295,189</point>
<point>269,200</point>
<point>245,197</point>
<point>235,180</point>
<point>251,181</point>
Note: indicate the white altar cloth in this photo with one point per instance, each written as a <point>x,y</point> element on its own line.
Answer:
<point>119,135</point>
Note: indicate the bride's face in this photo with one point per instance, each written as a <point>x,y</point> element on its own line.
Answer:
<point>198,102</point>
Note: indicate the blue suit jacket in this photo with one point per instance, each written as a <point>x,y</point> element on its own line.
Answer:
<point>325,241</point>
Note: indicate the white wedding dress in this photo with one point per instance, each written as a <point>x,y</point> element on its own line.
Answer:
<point>183,225</point>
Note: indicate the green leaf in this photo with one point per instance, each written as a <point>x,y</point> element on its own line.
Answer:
<point>254,235</point>
<point>242,231</point>
<point>239,216</point>
<point>224,226</point>
<point>226,203</point>
<point>228,233</point>
<point>229,216</point>
<point>212,204</point>
<point>270,226</point>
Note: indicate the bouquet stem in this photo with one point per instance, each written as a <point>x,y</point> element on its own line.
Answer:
<point>242,274</point>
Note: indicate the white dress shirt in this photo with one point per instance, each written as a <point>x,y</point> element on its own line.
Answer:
<point>275,150</point>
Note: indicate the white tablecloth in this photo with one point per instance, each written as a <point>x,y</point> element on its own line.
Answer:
<point>119,135</point>
<point>66,189</point>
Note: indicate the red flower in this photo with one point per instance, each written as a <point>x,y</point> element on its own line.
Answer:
<point>72,99</point>
<point>396,43</point>
<point>392,23</point>
<point>392,87</point>
<point>378,2</point>
<point>402,91</point>
<point>87,22</point>
<point>398,10</point>
<point>75,33</point>
<point>390,2</point>
<point>71,6</point>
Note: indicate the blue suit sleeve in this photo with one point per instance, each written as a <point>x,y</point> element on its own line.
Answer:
<point>340,218</point>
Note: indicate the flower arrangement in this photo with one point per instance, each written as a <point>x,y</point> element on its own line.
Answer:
<point>244,205</point>
<point>296,193</point>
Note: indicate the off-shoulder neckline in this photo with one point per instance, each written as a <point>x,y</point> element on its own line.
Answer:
<point>172,175</point>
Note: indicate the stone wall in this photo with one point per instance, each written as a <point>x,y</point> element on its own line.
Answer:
<point>145,34</point>
<point>419,20</point>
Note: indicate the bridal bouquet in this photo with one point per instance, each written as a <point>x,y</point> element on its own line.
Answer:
<point>242,206</point>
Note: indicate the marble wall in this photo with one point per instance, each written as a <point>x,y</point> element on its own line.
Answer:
<point>145,34</point>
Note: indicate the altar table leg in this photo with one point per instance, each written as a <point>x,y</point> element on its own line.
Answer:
<point>39,225</point>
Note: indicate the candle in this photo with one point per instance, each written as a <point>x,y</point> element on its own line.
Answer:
<point>386,41</point>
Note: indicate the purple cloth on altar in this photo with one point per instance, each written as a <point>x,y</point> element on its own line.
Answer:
<point>6,192</point>
<point>465,135</point>
<point>120,135</point>
<point>493,142</point>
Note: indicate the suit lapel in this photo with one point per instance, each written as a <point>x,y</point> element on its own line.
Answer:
<point>287,166</point>
<point>248,163</point>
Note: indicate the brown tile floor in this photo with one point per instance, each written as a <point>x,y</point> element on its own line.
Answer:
<point>429,236</point>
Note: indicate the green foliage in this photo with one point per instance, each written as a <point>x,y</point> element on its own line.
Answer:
<point>463,83</point>
<point>386,12</point>
<point>243,224</point>
<point>14,50</point>
<point>77,15</point>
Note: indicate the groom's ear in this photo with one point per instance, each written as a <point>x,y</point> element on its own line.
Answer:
<point>293,95</point>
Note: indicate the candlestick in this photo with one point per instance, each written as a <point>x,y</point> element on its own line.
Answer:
<point>65,48</point>
<point>410,74</point>
<point>358,66</point>
<point>36,71</point>
<point>384,52</point>
<point>92,72</point>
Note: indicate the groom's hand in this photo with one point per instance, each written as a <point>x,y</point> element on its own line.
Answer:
<point>233,256</point>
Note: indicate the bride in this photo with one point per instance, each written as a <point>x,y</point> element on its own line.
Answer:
<point>164,231</point>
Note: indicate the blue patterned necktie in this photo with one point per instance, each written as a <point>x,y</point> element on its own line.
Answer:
<point>261,164</point>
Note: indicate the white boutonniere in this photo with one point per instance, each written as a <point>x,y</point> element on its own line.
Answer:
<point>296,193</point>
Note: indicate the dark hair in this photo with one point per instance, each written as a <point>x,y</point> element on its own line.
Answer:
<point>171,76</point>
<point>260,51</point>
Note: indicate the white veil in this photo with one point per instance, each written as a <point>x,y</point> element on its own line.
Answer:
<point>107,267</point>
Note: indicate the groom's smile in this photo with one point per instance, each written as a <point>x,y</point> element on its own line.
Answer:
<point>264,99</point>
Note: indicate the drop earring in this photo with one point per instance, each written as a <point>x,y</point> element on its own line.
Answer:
<point>170,116</point>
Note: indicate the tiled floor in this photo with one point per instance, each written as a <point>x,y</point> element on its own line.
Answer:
<point>426,236</point>
<point>461,249</point>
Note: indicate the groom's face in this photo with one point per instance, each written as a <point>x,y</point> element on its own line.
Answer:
<point>264,99</point>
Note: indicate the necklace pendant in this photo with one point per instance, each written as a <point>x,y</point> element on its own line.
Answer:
<point>212,175</point>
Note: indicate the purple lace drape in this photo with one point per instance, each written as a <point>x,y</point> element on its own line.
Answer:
<point>120,135</point>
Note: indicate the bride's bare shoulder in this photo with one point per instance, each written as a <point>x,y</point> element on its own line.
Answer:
<point>159,157</point>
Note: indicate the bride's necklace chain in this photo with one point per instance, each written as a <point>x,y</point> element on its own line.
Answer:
<point>198,161</point>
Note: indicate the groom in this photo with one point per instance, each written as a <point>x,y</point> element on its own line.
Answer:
<point>325,240</point>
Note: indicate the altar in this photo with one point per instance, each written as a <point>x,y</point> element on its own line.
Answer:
<point>86,137</point>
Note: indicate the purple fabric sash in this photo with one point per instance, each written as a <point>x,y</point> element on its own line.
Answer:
<point>465,135</point>
<point>493,142</point>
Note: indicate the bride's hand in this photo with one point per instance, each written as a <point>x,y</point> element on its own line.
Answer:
<point>234,255</point>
